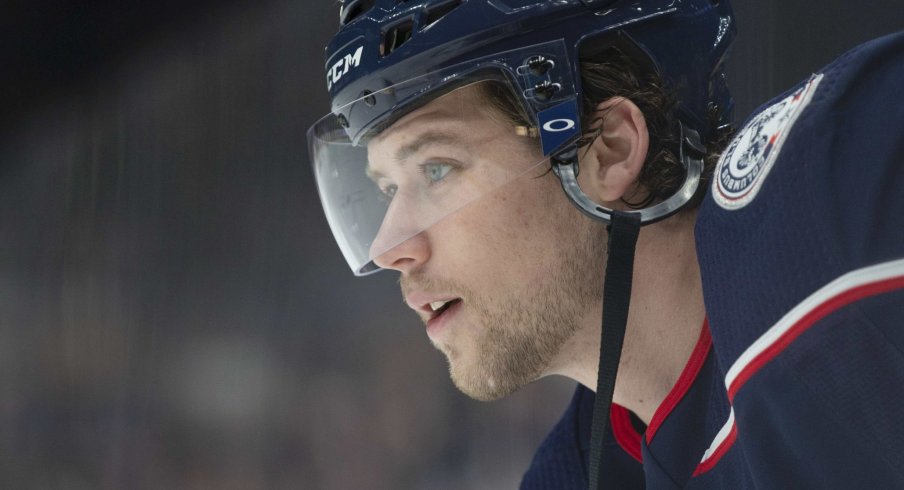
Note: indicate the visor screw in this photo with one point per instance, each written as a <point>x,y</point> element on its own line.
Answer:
<point>342,121</point>
<point>539,65</point>
<point>544,90</point>
<point>369,98</point>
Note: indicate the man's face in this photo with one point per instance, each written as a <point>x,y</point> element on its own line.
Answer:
<point>501,268</point>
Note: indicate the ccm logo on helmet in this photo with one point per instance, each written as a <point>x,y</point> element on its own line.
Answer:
<point>341,67</point>
<point>558,125</point>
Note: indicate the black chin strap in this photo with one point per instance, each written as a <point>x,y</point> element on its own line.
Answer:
<point>623,231</point>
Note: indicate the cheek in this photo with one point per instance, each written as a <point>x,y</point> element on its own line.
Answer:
<point>536,212</point>
<point>517,234</point>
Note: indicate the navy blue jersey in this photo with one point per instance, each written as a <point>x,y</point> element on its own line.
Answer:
<point>563,458</point>
<point>798,378</point>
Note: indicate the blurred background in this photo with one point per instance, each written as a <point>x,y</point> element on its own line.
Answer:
<point>174,313</point>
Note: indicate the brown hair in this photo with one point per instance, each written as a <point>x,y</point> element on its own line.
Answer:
<point>611,73</point>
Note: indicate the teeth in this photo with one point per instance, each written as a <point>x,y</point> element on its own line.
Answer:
<point>437,305</point>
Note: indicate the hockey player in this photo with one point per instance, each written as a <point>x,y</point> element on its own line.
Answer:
<point>501,154</point>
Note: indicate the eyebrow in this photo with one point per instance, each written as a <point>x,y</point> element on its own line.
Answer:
<point>426,139</point>
<point>403,153</point>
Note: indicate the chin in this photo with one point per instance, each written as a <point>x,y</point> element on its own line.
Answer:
<point>483,385</point>
<point>483,392</point>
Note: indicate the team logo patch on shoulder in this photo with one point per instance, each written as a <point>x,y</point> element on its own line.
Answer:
<point>748,159</point>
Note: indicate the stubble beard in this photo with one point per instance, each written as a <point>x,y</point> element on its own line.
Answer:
<point>521,330</point>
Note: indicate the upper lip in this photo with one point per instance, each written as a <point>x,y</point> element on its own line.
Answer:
<point>420,301</point>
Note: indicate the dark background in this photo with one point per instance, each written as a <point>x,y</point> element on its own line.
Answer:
<point>173,310</point>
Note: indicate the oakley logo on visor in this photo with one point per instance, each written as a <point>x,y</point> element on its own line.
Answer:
<point>341,67</point>
<point>558,124</point>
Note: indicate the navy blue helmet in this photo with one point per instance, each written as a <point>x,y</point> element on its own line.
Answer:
<point>392,56</point>
<point>382,43</point>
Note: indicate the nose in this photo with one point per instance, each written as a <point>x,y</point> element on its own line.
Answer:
<point>400,243</point>
<point>406,256</point>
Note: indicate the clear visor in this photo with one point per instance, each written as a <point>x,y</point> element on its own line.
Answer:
<point>451,153</point>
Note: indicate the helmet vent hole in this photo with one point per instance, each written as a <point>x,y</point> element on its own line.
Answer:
<point>395,37</point>
<point>354,9</point>
<point>439,12</point>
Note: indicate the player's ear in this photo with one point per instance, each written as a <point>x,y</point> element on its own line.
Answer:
<point>610,165</point>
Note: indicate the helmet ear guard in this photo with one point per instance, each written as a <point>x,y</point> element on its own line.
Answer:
<point>691,153</point>
<point>691,150</point>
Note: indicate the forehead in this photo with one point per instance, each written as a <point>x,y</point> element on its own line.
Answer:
<point>450,119</point>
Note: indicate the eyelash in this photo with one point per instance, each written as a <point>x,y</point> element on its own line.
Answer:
<point>388,192</point>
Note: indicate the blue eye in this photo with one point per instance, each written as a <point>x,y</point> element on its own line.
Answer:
<point>436,171</point>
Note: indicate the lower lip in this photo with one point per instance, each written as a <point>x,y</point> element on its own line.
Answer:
<point>436,325</point>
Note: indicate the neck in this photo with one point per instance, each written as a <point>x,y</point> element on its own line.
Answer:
<point>664,321</point>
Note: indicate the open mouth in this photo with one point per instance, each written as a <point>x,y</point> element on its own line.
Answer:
<point>439,307</point>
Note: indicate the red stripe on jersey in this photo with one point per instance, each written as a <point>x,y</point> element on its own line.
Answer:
<point>807,321</point>
<point>847,289</point>
<point>685,380</point>
<point>711,462</point>
<point>624,432</point>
